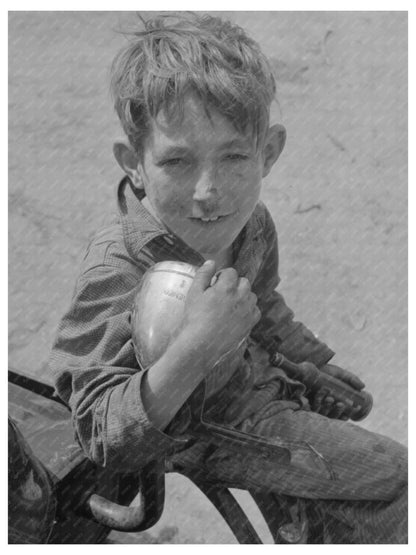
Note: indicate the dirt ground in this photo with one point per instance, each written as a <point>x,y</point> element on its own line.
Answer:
<point>338,195</point>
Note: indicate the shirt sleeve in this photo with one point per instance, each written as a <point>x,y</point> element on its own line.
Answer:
<point>97,375</point>
<point>277,330</point>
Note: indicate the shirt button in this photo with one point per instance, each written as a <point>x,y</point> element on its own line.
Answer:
<point>261,386</point>
<point>169,240</point>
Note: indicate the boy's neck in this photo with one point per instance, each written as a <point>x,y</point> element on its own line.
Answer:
<point>223,259</point>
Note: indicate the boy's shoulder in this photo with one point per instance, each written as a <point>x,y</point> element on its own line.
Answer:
<point>107,250</point>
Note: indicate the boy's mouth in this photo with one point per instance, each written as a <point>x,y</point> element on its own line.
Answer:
<point>208,219</point>
<point>211,219</point>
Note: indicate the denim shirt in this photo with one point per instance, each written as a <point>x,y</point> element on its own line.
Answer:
<point>93,360</point>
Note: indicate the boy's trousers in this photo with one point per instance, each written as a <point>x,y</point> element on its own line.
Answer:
<point>355,480</point>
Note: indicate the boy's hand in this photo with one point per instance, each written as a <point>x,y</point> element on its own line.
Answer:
<point>322,401</point>
<point>218,317</point>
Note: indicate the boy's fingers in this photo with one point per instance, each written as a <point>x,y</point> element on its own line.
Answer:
<point>337,410</point>
<point>204,275</point>
<point>355,411</point>
<point>228,278</point>
<point>256,314</point>
<point>348,408</point>
<point>318,399</point>
<point>326,406</point>
<point>345,375</point>
<point>244,285</point>
<point>352,380</point>
<point>357,383</point>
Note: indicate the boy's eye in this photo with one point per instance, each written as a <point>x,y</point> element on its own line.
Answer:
<point>236,156</point>
<point>172,162</point>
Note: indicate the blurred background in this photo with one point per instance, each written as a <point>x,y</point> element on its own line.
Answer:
<point>338,195</point>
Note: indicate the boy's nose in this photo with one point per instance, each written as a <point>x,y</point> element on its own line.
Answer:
<point>205,190</point>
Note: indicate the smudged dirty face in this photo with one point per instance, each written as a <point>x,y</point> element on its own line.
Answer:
<point>201,176</point>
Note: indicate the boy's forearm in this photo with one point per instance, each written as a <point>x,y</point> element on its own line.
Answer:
<point>172,379</point>
<point>278,330</point>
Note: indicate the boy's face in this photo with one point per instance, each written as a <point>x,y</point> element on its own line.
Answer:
<point>201,176</point>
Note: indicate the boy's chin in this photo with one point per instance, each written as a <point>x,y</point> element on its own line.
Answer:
<point>209,239</point>
<point>212,248</point>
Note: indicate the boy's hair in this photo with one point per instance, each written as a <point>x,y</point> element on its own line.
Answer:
<point>177,53</point>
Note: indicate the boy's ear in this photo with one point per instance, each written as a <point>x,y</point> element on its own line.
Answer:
<point>273,146</point>
<point>128,161</point>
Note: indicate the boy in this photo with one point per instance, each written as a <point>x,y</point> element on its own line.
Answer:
<point>193,95</point>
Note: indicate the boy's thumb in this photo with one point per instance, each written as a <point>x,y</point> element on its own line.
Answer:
<point>204,275</point>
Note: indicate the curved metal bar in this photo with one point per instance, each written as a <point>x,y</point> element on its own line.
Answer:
<point>230,510</point>
<point>133,518</point>
<point>115,516</point>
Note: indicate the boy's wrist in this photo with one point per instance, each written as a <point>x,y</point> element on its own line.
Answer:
<point>198,349</point>
<point>171,380</point>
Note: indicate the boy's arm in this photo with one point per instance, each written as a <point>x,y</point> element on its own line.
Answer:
<point>216,318</point>
<point>119,411</point>
<point>277,330</point>
<point>97,375</point>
